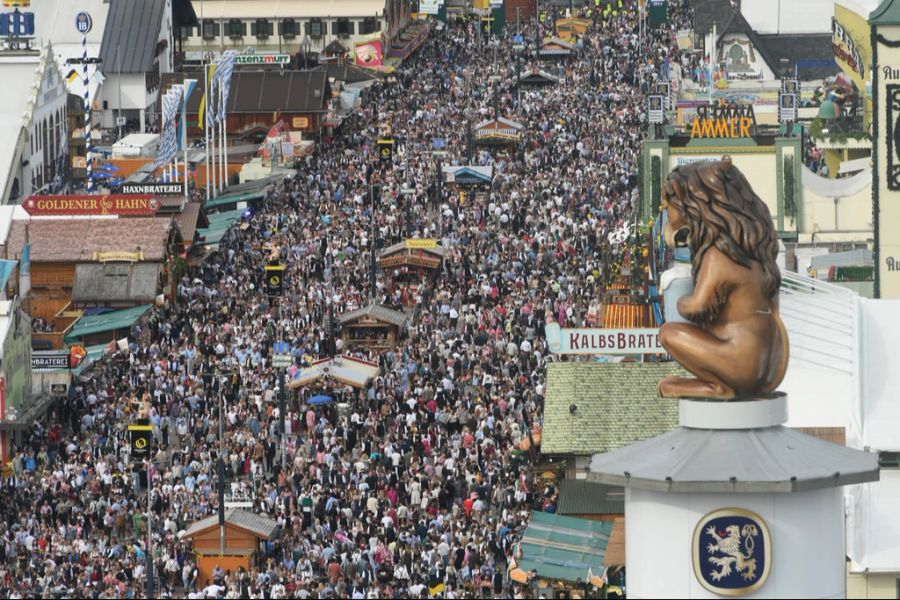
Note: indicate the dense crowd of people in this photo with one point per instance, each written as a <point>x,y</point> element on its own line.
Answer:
<point>414,485</point>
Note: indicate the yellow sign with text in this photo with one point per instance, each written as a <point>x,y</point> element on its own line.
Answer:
<point>416,244</point>
<point>118,256</point>
<point>721,128</point>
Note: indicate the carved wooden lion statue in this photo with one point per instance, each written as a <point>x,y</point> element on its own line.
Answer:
<point>735,344</point>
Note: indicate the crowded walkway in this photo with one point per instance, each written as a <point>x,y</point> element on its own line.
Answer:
<point>418,484</point>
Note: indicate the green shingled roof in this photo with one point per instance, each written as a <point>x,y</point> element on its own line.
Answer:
<point>886,13</point>
<point>617,404</point>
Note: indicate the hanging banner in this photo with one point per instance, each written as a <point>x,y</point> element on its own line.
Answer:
<point>275,280</point>
<point>369,54</point>
<point>107,204</point>
<point>602,341</point>
<point>386,150</point>
<point>140,440</point>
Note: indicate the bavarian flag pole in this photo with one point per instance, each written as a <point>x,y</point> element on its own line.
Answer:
<point>203,119</point>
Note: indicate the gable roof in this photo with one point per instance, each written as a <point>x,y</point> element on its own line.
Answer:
<point>258,525</point>
<point>375,311</point>
<point>347,72</point>
<point>132,29</point>
<point>811,52</point>
<point>255,92</point>
<point>707,12</point>
<point>886,13</point>
<point>76,240</point>
<point>617,403</point>
<point>336,47</point>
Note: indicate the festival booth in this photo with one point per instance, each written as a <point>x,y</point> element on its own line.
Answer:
<point>536,79</point>
<point>571,28</point>
<point>373,327</point>
<point>245,536</point>
<point>92,263</point>
<point>408,265</point>
<point>498,132</point>
<point>555,48</point>
<point>346,370</point>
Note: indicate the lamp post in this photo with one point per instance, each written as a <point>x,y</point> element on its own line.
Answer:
<point>374,197</point>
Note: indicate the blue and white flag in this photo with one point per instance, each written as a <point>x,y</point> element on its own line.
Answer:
<point>189,85</point>
<point>223,74</point>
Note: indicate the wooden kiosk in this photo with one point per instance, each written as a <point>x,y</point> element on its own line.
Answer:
<point>409,264</point>
<point>372,327</point>
<point>244,531</point>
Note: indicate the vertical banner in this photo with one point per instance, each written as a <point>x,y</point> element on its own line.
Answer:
<point>275,280</point>
<point>369,54</point>
<point>886,150</point>
<point>139,438</point>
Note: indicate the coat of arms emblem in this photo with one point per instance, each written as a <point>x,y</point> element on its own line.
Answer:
<point>732,551</point>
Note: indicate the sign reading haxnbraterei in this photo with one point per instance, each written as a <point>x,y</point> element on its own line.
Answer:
<point>160,188</point>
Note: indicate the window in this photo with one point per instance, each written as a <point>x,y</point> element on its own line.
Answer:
<point>186,31</point>
<point>343,27</point>
<point>288,28</point>
<point>261,28</point>
<point>210,30</point>
<point>368,25</point>
<point>316,28</point>
<point>236,29</point>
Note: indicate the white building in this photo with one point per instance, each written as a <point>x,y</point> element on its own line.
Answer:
<point>137,47</point>
<point>281,25</point>
<point>843,374</point>
<point>32,123</point>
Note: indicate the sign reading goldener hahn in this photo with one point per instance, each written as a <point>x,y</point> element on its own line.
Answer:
<point>159,188</point>
<point>602,341</point>
<point>106,204</point>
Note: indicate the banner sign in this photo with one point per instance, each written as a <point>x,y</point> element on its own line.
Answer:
<point>429,7</point>
<point>50,360</point>
<point>158,188</point>
<point>724,121</point>
<point>120,256</point>
<point>106,204</point>
<point>369,54</point>
<point>140,440</point>
<point>655,108</point>
<point>421,243</point>
<point>602,341</point>
<point>386,149</point>
<point>275,280</point>
<point>262,59</point>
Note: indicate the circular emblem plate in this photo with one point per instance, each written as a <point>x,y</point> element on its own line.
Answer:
<point>83,22</point>
<point>732,552</point>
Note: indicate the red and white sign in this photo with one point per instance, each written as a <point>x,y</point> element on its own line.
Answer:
<point>139,205</point>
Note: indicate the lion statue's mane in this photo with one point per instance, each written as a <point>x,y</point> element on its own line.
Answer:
<point>723,211</point>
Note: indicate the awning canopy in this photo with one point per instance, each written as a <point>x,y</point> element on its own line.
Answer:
<point>111,321</point>
<point>565,548</point>
<point>233,199</point>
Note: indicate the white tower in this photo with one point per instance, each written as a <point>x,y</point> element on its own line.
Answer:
<point>733,503</point>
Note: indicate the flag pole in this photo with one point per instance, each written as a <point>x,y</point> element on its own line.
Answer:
<point>205,124</point>
<point>222,180</point>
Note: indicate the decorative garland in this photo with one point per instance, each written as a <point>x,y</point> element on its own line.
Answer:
<point>655,183</point>
<point>790,206</point>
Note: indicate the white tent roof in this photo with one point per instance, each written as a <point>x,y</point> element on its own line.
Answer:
<point>278,9</point>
